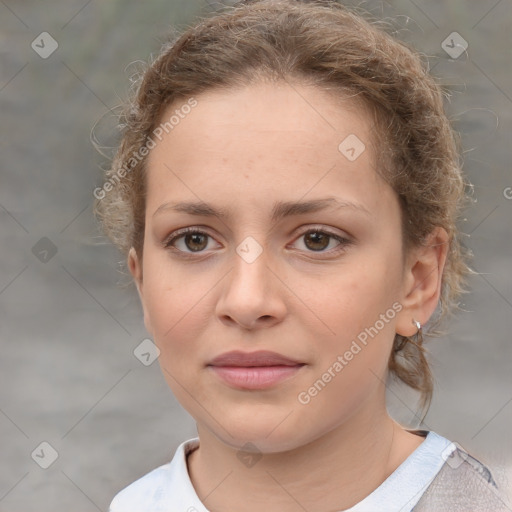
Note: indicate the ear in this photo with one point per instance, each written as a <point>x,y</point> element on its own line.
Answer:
<point>135,267</point>
<point>422,281</point>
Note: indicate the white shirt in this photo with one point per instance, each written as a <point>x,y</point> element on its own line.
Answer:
<point>169,489</point>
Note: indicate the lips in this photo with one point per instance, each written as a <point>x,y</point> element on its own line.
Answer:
<point>254,370</point>
<point>249,359</point>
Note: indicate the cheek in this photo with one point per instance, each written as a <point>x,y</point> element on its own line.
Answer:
<point>361,311</point>
<point>175,302</point>
<point>177,318</point>
<point>354,298</point>
<point>180,303</point>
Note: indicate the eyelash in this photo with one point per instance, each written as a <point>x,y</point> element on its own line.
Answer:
<point>168,242</point>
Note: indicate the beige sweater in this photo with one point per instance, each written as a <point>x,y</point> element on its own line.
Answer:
<point>464,484</point>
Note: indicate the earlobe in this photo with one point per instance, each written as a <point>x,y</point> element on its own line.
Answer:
<point>422,282</point>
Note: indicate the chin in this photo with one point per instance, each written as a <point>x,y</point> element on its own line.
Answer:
<point>259,434</point>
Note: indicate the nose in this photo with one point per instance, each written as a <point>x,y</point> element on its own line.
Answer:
<point>253,296</point>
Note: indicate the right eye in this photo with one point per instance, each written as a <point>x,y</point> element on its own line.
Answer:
<point>188,241</point>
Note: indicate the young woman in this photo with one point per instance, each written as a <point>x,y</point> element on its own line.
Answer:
<point>286,194</point>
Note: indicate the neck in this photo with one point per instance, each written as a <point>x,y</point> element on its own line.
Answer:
<point>333,472</point>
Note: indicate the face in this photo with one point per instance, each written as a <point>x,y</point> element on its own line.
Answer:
<point>309,283</point>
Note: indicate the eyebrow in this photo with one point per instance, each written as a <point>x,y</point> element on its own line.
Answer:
<point>280,210</point>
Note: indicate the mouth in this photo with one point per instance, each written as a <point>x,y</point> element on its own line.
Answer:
<point>250,359</point>
<point>254,370</point>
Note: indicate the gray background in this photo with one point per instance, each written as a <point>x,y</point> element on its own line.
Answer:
<point>68,329</point>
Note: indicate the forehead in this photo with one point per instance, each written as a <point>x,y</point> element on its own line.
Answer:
<point>271,139</point>
<point>308,114</point>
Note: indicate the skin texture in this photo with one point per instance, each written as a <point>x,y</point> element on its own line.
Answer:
<point>244,150</point>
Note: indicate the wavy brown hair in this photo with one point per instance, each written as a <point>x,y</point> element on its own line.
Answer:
<point>344,52</point>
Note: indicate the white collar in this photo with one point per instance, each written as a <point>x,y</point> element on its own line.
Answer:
<point>169,488</point>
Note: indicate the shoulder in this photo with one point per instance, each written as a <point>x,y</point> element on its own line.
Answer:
<point>143,492</point>
<point>463,483</point>
<point>160,487</point>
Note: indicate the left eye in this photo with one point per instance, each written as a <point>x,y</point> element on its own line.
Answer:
<point>317,240</point>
